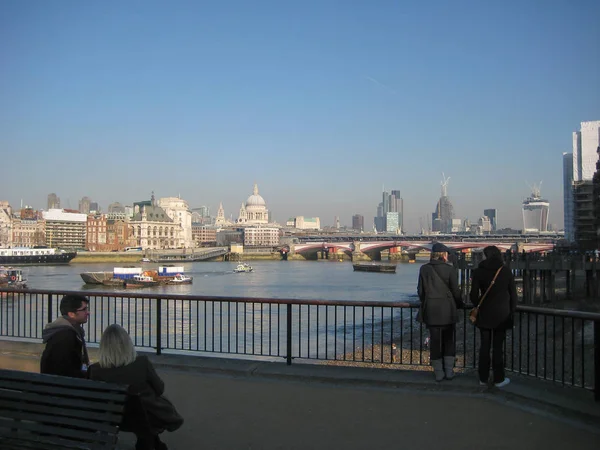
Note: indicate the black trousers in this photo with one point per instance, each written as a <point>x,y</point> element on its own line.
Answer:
<point>491,340</point>
<point>441,342</point>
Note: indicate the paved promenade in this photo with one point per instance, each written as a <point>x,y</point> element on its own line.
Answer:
<point>244,404</point>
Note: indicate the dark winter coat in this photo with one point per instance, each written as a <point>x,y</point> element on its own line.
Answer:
<point>143,379</point>
<point>499,305</point>
<point>440,298</point>
<point>65,352</point>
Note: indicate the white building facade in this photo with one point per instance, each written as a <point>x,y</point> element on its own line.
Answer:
<point>178,210</point>
<point>261,237</point>
<point>585,144</point>
<point>64,229</point>
<point>5,225</point>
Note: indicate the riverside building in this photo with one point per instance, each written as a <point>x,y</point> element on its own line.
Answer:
<point>578,172</point>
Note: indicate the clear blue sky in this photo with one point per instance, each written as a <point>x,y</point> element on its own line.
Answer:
<point>319,102</point>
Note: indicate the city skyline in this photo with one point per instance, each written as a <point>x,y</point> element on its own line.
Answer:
<point>320,105</point>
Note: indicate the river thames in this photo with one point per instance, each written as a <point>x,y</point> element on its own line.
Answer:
<point>309,280</point>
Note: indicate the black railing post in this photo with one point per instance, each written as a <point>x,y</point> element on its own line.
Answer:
<point>596,360</point>
<point>289,334</point>
<point>50,318</point>
<point>159,326</point>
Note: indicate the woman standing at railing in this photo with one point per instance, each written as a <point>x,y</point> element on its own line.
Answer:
<point>495,313</point>
<point>440,300</point>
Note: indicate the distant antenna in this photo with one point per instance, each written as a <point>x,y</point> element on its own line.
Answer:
<point>444,183</point>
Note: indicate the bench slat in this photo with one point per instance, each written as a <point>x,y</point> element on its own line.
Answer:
<point>56,380</point>
<point>35,441</point>
<point>52,432</point>
<point>66,403</point>
<point>59,410</point>
<point>59,421</point>
<point>63,392</point>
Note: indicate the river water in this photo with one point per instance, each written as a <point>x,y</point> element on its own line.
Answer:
<point>228,326</point>
<point>310,280</point>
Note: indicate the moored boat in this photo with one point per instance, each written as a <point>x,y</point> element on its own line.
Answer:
<point>141,281</point>
<point>179,279</point>
<point>374,267</point>
<point>25,255</point>
<point>243,267</point>
<point>96,277</point>
<point>12,278</point>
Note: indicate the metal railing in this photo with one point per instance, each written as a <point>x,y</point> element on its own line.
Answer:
<point>557,345</point>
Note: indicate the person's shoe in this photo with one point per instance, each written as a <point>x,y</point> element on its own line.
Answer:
<point>503,383</point>
<point>449,367</point>
<point>481,383</point>
<point>438,369</point>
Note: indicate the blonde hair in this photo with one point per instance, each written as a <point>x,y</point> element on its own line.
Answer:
<point>116,348</point>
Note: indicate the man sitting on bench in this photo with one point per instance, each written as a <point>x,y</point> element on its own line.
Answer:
<point>65,353</point>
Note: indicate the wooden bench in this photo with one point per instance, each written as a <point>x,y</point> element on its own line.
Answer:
<point>52,412</point>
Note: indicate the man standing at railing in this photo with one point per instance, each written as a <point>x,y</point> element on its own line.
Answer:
<point>440,299</point>
<point>65,353</point>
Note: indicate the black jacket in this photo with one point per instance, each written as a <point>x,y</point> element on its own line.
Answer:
<point>143,379</point>
<point>500,303</point>
<point>65,351</point>
<point>440,298</point>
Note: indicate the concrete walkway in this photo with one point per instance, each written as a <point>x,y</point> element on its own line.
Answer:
<point>244,404</point>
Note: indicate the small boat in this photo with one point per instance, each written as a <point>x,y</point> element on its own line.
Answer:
<point>243,267</point>
<point>12,278</point>
<point>375,267</point>
<point>96,277</point>
<point>179,279</point>
<point>146,260</point>
<point>140,281</point>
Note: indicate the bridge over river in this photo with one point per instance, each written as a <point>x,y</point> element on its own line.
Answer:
<point>372,249</point>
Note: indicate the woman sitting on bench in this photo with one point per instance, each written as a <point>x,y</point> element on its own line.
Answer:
<point>119,363</point>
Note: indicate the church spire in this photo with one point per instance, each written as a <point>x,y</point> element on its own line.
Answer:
<point>255,191</point>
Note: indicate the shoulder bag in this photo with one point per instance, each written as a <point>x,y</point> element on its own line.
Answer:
<point>475,311</point>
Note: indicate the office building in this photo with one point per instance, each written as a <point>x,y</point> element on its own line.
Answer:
<point>392,222</point>
<point>578,185</point>
<point>53,201</point>
<point>84,205</point>
<point>358,223</point>
<point>492,214</point>
<point>391,202</point>
<point>535,212</point>
<point>568,196</point>
<point>64,229</point>
<point>441,219</point>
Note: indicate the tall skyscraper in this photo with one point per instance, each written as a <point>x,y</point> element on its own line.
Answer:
<point>397,205</point>
<point>84,205</point>
<point>535,212</point>
<point>53,201</point>
<point>391,202</point>
<point>492,214</point>
<point>577,182</point>
<point>358,223</point>
<point>441,219</point>
<point>585,143</point>
<point>568,196</point>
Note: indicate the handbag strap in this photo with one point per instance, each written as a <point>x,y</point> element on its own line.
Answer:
<point>489,287</point>
<point>440,278</point>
